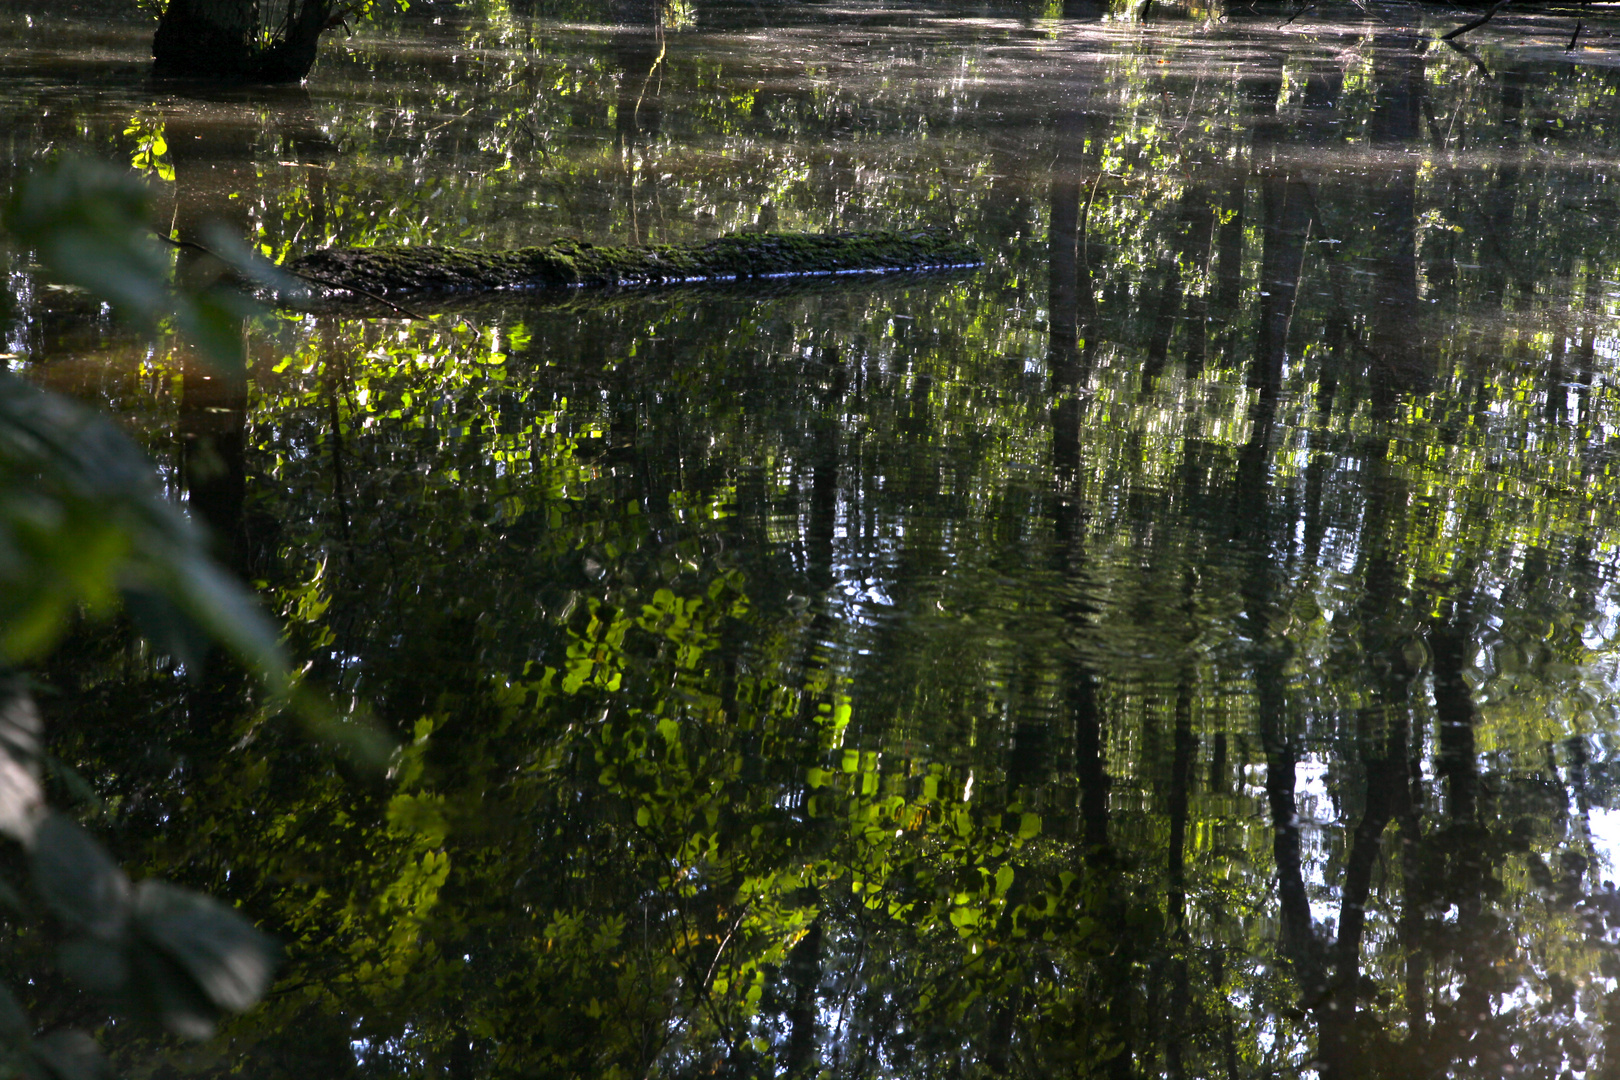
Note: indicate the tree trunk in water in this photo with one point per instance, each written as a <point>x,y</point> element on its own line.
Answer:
<point>1398,366</point>
<point>255,41</point>
<point>803,970</point>
<point>1285,204</point>
<point>1181,781</point>
<point>1192,248</point>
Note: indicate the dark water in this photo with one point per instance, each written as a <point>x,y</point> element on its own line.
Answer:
<point>1186,647</point>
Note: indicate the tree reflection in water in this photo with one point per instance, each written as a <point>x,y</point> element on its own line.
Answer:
<point>1182,648</point>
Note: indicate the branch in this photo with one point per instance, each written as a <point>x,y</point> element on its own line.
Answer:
<point>1296,14</point>
<point>1481,21</point>
<point>1478,63</point>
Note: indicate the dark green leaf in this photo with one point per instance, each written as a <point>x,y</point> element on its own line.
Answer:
<point>98,965</point>
<point>77,879</point>
<point>161,991</point>
<point>88,222</point>
<point>15,1027</point>
<point>214,322</point>
<point>100,503</point>
<point>167,626</point>
<point>69,1055</point>
<point>253,267</point>
<point>231,960</point>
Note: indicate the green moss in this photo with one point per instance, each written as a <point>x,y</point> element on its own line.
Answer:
<point>568,263</point>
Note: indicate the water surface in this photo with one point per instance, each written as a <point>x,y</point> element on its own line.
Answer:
<point>1185,647</point>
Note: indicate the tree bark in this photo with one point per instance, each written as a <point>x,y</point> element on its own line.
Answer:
<point>569,263</point>
<point>239,40</point>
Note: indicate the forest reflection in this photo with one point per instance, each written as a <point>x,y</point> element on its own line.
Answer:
<point>1184,648</point>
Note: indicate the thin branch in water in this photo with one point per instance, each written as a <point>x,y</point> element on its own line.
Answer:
<point>1296,15</point>
<point>1469,53</point>
<point>1085,215</point>
<point>1481,21</point>
<point>1573,38</point>
<point>448,122</point>
<point>1369,12</point>
<point>663,47</point>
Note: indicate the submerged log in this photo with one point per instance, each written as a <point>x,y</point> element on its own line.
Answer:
<point>385,271</point>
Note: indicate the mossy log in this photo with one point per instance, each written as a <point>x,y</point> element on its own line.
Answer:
<point>385,271</point>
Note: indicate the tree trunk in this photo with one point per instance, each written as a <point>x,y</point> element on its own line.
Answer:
<point>253,41</point>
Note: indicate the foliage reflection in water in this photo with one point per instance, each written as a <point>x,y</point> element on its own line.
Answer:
<point>1184,648</point>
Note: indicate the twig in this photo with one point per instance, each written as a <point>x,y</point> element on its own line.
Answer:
<point>663,47</point>
<point>1304,251</point>
<point>450,121</point>
<point>1296,15</point>
<point>537,140</point>
<point>1481,21</point>
<point>191,246</point>
<point>1478,63</point>
<point>400,308</point>
<point>1369,12</point>
<point>1085,216</point>
<point>1579,24</point>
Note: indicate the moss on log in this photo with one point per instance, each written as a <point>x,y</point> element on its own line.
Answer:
<point>388,271</point>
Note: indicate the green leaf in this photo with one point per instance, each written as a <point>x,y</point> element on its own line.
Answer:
<point>214,321</point>
<point>252,266</point>
<point>227,612</point>
<point>69,1055</point>
<point>161,991</point>
<point>15,1027</point>
<point>78,880</point>
<point>98,965</point>
<point>231,961</point>
<point>98,523</point>
<point>167,626</point>
<point>88,223</point>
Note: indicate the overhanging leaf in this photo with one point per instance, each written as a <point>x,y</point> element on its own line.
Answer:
<point>78,881</point>
<point>69,1055</point>
<point>231,961</point>
<point>15,1027</point>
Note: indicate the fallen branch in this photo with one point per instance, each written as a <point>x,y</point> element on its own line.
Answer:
<point>1297,14</point>
<point>1479,64</point>
<point>373,272</point>
<point>1481,21</point>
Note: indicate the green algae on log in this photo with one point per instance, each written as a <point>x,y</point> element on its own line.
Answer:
<point>567,263</point>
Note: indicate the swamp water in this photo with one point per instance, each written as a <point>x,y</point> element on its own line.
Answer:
<point>1186,646</point>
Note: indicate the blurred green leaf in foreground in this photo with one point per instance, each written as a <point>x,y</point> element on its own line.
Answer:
<point>84,528</point>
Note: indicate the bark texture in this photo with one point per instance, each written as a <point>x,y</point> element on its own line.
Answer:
<point>567,263</point>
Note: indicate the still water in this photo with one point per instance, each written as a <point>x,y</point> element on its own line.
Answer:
<point>1186,647</point>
